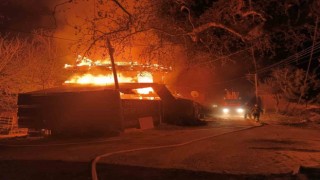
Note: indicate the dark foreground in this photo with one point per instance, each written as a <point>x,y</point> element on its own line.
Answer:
<point>26,170</point>
<point>229,149</point>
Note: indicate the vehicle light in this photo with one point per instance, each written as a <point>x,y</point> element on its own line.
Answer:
<point>225,110</point>
<point>240,110</point>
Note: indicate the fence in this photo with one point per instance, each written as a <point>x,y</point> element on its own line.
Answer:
<point>9,126</point>
<point>8,121</point>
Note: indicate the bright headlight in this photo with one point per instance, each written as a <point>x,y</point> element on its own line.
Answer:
<point>225,110</point>
<point>240,110</point>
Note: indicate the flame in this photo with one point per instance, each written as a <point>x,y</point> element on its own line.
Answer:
<point>145,77</point>
<point>135,66</point>
<point>102,62</point>
<point>147,90</point>
<point>99,80</point>
<point>84,61</point>
<point>67,66</point>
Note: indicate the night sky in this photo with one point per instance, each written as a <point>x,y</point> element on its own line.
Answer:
<point>23,16</point>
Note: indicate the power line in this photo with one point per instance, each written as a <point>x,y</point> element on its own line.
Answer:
<point>302,54</point>
<point>210,61</point>
<point>296,57</point>
<point>311,55</point>
<point>290,59</point>
<point>228,81</point>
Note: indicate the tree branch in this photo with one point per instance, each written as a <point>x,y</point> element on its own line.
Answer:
<point>189,15</point>
<point>248,13</point>
<point>206,26</point>
<point>123,9</point>
<point>54,11</point>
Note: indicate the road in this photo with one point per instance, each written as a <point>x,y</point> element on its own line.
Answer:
<point>223,148</point>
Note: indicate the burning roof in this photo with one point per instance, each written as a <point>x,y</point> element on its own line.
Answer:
<point>86,63</point>
<point>99,72</point>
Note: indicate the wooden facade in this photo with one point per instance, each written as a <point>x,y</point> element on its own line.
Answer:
<point>77,112</point>
<point>99,110</point>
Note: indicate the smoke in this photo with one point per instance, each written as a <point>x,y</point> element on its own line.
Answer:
<point>74,23</point>
<point>81,22</point>
<point>24,15</point>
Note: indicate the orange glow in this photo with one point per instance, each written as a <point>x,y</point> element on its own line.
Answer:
<point>128,66</point>
<point>99,80</point>
<point>147,90</point>
<point>145,77</point>
<point>142,76</point>
<point>84,61</point>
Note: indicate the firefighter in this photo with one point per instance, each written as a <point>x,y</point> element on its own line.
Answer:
<point>256,110</point>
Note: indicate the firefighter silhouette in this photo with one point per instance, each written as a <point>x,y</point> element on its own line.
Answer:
<point>256,110</point>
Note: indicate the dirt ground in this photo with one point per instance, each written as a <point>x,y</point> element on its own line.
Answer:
<point>224,149</point>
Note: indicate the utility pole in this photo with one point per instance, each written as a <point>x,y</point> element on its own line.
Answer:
<point>311,56</point>
<point>256,85</point>
<point>255,75</point>
<point>116,83</point>
<point>114,71</point>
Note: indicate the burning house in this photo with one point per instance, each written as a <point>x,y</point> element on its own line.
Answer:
<point>88,103</point>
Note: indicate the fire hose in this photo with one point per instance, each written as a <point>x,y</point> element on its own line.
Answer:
<point>58,144</point>
<point>94,162</point>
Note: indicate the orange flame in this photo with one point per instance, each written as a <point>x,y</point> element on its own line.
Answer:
<point>145,77</point>
<point>108,79</point>
<point>99,80</point>
<point>84,61</point>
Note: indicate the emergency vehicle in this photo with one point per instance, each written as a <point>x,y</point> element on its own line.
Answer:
<point>232,105</point>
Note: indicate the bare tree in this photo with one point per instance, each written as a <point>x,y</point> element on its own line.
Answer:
<point>26,64</point>
<point>11,54</point>
<point>227,31</point>
<point>124,23</point>
<point>222,27</point>
<point>289,82</point>
<point>46,65</point>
